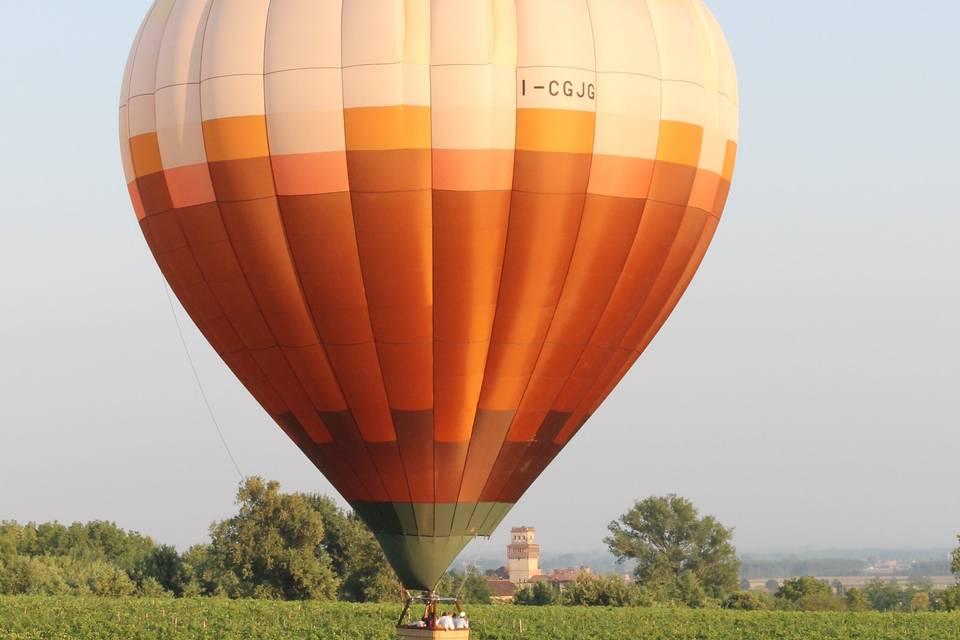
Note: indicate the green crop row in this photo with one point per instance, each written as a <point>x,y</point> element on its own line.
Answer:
<point>28,618</point>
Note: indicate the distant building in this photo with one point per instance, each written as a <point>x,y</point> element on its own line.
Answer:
<point>523,555</point>
<point>562,577</point>
<point>503,590</point>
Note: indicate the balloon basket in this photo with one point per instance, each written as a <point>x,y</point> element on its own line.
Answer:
<point>420,634</point>
<point>432,609</point>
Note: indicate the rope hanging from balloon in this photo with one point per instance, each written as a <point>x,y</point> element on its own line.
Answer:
<point>196,377</point>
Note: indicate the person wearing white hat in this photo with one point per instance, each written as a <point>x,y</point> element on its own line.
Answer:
<point>461,622</point>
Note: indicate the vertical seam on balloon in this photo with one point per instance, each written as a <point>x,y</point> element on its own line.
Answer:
<point>653,30</point>
<point>503,262</point>
<point>573,252</point>
<point>293,263</point>
<point>376,348</point>
<point>433,272</point>
<point>227,232</point>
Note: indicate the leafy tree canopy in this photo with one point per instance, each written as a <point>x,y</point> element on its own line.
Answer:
<point>679,554</point>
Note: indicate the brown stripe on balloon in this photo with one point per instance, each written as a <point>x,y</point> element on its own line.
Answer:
<point>245,179</point>
<point>389,463</point>
<point>516,457</point>
<point>389,170</point>
<point>415,439</point>
<point>326,458</point>
<point>344,430</point>
<point>154,194</point>
<point>489,431</point>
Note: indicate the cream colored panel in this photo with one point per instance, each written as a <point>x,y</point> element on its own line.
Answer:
<point>131,58</point>
<point>182,45</point>
<point>232,96</point>
<point>474,107</point>
<point>125,159</point>
<point>142,114</point>
<point>628,116</point>
<point>555,33</point>
<point>386,85</point>
<point>684,53</point>
<point>714,147</point>
<point>684,102</point>
<point>416,32</point>
<point>373,32</point>
<point>724,58</point>
<point>504,48</point>
<point>461,31</point>
<point>144,76</point>
<point>179,130</point>
<point>305,111</point>
<point>234,38</point>
<point>303,34</point>
<point>730,119</point>
<point>625,38</point>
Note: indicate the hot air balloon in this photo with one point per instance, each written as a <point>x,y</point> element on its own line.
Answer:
<point>429,236</point>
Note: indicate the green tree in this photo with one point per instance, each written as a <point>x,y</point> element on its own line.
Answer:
<point>856,600</point>
<point>355,555</point>
<point>884,595</point>
<point>679,554</point>
<point>470,585</point>
<point>946,600</point>
<point>794,589</point>
<point>772,585</point>
<point>539,595</point>
<point>273,549</point>
<point>748,601</point>
<point>955,564</point>
<point>604,591</point>
<point>920,602</point>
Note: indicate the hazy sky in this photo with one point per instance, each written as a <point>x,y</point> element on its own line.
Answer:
<point>807,391</point>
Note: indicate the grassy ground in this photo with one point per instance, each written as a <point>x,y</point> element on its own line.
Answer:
<point>93,619</point>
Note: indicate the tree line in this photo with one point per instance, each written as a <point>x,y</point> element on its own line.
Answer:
<point>295,546</point>
<point>683,559</point>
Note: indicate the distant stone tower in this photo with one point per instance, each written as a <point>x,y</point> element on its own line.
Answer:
<point>523,555</point>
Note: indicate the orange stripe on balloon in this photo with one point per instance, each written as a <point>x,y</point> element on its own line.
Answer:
<point>555,130</point>
<point>311,173</point>
<point>145,154</point>
<point>383,128</point>
<point>621,177</point>
<point>473,169</point>
<point>190,185</point>
<point>236,138</point>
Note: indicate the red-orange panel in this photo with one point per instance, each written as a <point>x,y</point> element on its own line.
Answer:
<point>607,231</point>
<point>323,242</point>
<point>395,242</point>
<point>540,241</point>
<point>258,238</point>
<point>358,372</point>
<point>655,235</point>
<point>682,253</point>
<point>469,231</point>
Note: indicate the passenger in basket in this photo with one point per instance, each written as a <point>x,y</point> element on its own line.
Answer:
<point>446,622</point>
<point>461,622</point>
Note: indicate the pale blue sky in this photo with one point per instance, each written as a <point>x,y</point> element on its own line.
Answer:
<point>805,392</point>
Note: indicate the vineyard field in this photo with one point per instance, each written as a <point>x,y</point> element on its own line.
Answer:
<point>29,618</point>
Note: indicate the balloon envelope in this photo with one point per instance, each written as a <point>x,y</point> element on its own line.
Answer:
<point>429,237</point>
